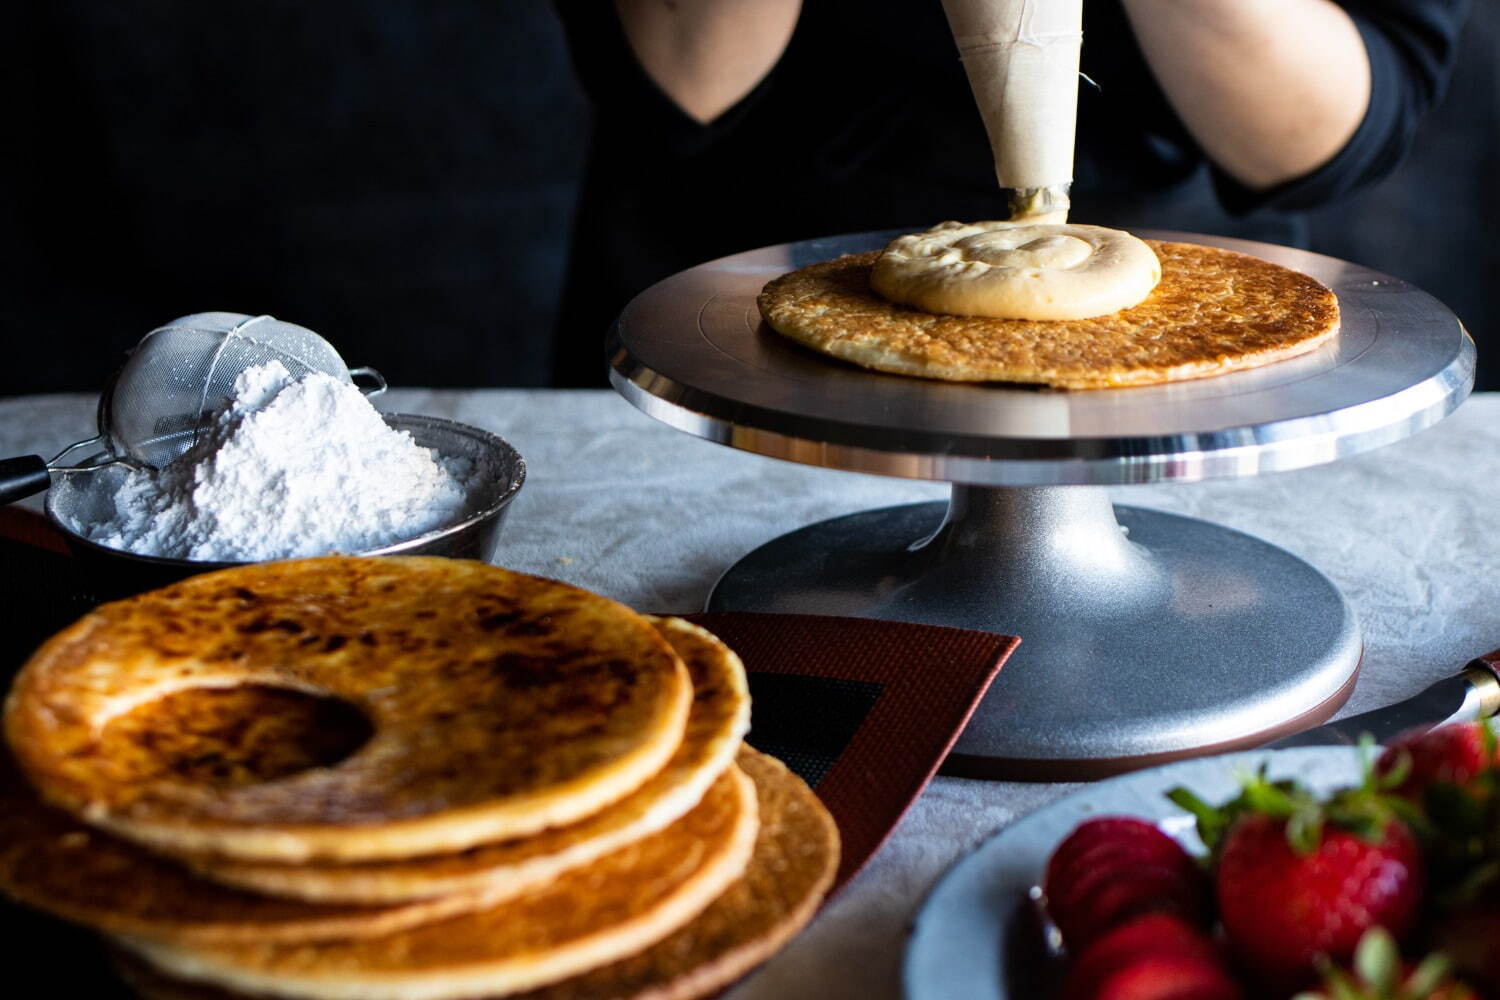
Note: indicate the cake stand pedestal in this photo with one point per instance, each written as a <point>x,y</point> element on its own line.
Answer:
<point>1146,636</point>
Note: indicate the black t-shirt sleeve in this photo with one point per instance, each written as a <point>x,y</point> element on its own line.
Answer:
<point>1410,44</point>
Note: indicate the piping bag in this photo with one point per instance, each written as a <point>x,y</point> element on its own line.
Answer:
<point>1021,57</point>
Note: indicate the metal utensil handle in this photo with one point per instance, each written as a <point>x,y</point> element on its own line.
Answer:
<point>23,476</point>
<point>1484,673</point>
<point>377,383</point>
<point>1489,661</point>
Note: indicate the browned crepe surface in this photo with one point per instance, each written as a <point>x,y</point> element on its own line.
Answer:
<point>233,737</point>
<point>716,722</point>
<point>499,704</point>
<point>796,853</point>
<point>1214,311</point>
<point>588,917</point>
<point>55,863</point>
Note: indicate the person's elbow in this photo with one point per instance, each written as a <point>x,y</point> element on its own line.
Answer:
<point>1317,125</point>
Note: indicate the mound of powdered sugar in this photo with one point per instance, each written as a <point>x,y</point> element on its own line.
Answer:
<point>292,467</point>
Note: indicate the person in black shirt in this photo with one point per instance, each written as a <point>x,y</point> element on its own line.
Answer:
<point>723,125</point>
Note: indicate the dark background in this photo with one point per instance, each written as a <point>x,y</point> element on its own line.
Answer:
<point>123,207</point>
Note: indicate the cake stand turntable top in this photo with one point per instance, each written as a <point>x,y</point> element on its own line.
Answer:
<point>693,352</point>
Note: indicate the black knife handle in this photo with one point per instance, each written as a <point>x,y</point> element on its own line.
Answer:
<point>1473,693</point>
<point>22,476</point>
<point>1450,699</point>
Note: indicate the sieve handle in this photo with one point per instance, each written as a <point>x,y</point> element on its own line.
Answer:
<point>22,476</point>
<point>369,381</point>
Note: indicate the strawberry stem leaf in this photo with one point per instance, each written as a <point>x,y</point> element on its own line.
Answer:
<point>1377,960</point>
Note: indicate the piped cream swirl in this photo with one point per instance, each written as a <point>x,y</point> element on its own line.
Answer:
<point>1009,270</point>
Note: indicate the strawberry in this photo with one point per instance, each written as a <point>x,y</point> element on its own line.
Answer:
<point>1379,974</point>
<point>1153,957</point>
<point>1297,878</point>
<point>1113,868</point>
<point>1282,906</point>
<point>1114,830</point>
<point>1453,774</point>
<point>1452,754</point>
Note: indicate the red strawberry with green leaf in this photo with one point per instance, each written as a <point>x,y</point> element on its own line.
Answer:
<point>1451,772</point>
<point>1379,974</point>
<point>1113,868</point>
<point>1453,754</point>
<point>1153,957</point>
<point>1297,878</point>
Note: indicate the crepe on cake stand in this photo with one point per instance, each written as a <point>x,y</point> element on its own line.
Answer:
<point>1146,636</point>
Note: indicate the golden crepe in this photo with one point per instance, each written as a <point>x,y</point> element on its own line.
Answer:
<point>1214,311</point>
<point>718,719</point>
<point>796,854</point>
<point>588,917</point>
<point>50,860</point>
<point>499,705</point>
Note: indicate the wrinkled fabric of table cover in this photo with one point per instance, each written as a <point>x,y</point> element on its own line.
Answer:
<point>623,505</point>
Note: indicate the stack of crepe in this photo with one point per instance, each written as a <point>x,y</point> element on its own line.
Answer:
<point>403,778</point>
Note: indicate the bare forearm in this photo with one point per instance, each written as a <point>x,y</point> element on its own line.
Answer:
<point>708,54</point>
<point>1271,89</point>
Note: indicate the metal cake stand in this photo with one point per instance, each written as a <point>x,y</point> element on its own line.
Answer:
<point>1146,636</point>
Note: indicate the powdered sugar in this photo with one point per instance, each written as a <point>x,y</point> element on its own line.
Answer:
<point>293,467</point>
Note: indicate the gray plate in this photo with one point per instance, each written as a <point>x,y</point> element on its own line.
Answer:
<point>692,351</point>
<point>967,940</point>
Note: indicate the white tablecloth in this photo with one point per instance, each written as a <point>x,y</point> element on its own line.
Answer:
<point>623,505</point>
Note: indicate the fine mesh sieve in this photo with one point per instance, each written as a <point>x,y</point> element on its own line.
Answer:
<point>181,373</point>
<point>174,381</point>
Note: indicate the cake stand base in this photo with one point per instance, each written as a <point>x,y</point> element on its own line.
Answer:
<point>1146,636</point>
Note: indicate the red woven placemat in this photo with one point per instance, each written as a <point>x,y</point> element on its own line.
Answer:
<point>863,710</point>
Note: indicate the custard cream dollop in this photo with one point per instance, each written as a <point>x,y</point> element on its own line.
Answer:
<point>1017,270</point>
